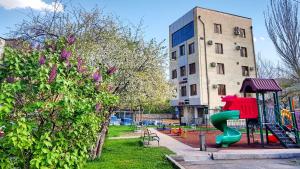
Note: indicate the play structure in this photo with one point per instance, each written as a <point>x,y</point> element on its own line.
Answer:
<point>235,108</point>
<point>282,124</point>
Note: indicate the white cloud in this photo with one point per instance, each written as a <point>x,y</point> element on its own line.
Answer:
<point>254,39</point>
<point>34,4</point>
<point>262,38</point>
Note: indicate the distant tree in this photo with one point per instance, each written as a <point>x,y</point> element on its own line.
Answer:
<point>268,69</point>
<point>282,23</point>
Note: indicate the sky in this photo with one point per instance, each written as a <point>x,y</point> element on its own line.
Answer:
<point>156,15</point>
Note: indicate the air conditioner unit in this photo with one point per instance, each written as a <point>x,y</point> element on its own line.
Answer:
<point>238,47</point>
<point>213,64</point>
<point>210,42</point>
<point>237,31</point>
<point>214,86</point>
<point>251,68</point>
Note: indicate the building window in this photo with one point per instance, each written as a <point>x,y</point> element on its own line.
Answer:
<point>192,68</point>
<point>219,48</point>
<point>221,89</point>
<point>191,48</point>
<point>174,74</point>
<point>174,55</point>
<point>183,34</point>
<point>218,28</point>
<point>182,71</point>
<point>220,68</point>
<point>182,50</point>
<point>245,70</point>
<point>242,33</point>
<point>193,89</point>
<point>183,90</point>
<point>244,52</point>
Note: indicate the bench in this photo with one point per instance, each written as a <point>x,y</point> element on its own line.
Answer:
<point>149,136</point>
<point>138,127</point>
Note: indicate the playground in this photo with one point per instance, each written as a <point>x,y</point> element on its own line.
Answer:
<point>269,121</point>
<point>192,139</point>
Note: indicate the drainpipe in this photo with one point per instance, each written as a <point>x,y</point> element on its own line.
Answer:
<point>251,27</point>
<point>205,55</point>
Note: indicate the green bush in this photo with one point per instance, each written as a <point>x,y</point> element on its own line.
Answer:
<point>51,106</point>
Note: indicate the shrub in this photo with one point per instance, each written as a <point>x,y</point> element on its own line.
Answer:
<point>51,106</point>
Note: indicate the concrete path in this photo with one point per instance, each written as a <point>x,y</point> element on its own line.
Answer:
<point>184,151</point>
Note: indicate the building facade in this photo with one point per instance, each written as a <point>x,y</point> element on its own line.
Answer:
<point>211,53</point>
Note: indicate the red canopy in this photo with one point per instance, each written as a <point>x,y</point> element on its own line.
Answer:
<point>253,85</point>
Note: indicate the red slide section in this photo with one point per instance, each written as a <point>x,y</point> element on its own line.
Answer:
<point>247,106</point>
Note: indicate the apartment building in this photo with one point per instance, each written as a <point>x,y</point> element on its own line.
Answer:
<point>211,53</point>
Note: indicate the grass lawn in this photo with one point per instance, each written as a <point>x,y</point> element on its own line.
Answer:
<point>115,131</point>
<point>130,154</point>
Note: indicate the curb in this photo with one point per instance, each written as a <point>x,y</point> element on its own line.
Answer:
<point>174,163</point>
<point>228,156</point>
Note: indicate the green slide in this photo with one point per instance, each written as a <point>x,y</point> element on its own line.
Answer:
<point>230,135</point>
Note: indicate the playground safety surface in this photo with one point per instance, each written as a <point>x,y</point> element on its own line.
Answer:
<point>192,139</point>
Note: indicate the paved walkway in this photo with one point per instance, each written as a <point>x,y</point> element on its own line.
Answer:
<point>188,153</point>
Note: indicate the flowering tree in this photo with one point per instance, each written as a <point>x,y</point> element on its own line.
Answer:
<point>51,105</point>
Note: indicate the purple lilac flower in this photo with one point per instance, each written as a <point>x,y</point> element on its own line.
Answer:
<point>110,88</point>
<point>42,60</point>
<point>80,68</point>
<point>111,70</point>
<point>10,79</point>
<point>98,107</point>
<point>97,77</point>
<point>71,39</point>
<point>53,74</point>
<point>65,55</point>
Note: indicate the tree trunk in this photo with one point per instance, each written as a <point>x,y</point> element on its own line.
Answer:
<point>97,150</point>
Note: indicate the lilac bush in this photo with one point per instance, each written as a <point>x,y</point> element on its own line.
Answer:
<point>51,108</point>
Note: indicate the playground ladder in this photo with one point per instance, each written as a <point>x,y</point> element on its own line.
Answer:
<point>281,135</point>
